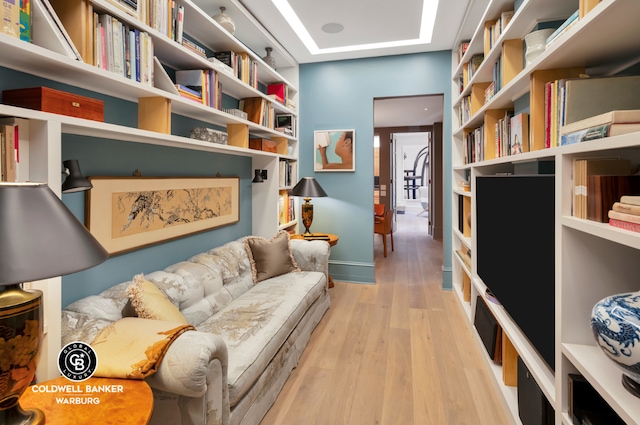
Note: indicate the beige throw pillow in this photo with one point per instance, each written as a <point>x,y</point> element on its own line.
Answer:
<point>271,257</point>
<point>151,303</point>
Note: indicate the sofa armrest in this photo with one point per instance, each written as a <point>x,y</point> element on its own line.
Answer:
<point>186,366</point>
<point>311,255</point>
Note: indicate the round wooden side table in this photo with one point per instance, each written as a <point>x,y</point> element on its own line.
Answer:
<point>103,401</point>
<point>333,240</point>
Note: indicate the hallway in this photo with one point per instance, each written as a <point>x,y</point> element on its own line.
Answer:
<point>398,353</point>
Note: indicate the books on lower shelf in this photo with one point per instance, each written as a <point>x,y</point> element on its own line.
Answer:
<point>597,184</point>
<point>569,100</point>
<point>625,213</point>
<point>612,123</point>
<point>286,208</point>
<point>8,152</point>
<point>519,134</point>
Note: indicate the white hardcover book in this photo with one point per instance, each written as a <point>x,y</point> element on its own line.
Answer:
<point>118,51</point>
<point>132,54</point>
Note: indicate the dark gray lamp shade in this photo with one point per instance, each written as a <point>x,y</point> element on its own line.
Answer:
<point>75,181</point>
<point>41,238</point>
<point>308,187</point>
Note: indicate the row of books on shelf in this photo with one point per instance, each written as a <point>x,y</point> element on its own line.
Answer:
<point>510,137</point>
<point>164,16</point>
<point>242,66</point>
<point>9,152</point>
<point>572,105</point>
<point>200,85</point>
<point>471,67</point>
<point>259,110</point>
<point>280,93</point>
<point>462,49</point>
<point>625,214</point>
<point>16,19</point>
<point>494,28</point>
<point>598,183</point>
<point>286,208</point>
<point>123,50</point>
<point>287,173</point>
<point>496,84</point>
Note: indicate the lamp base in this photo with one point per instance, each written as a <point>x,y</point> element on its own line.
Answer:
<point>307,215</point>
<point>16,416</point>
<point>20,328</point>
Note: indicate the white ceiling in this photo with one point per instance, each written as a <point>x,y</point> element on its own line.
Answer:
<point>364,21</point>
<point>407,111</point>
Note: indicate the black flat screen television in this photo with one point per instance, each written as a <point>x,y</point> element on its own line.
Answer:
<point>515,252</point>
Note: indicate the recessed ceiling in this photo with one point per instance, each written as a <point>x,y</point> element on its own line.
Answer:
<point>366,23</point>
<point>407,111</point>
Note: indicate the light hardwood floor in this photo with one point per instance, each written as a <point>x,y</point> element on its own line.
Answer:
<point>399,352</point>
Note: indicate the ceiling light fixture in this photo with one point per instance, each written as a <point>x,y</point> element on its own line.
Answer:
<point>429,9</point>
<point>332,28</point>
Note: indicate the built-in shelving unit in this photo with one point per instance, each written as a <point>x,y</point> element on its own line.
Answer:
<point>42,149</point>
<point>592,260</point>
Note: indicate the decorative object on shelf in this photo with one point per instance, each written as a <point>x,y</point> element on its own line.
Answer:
<point>225,20</point>
<point>269,60</point>
<point>46,99</point>
<point>209,135</point>
<point>615,321</point>
<point>75,181</point>
<point>535,43</point>
<point>335,150</point>
<point>126,213</point>
<point>41,239</point>
<point>308,188</point>
<point>236,113</point>
<point>259,176</point>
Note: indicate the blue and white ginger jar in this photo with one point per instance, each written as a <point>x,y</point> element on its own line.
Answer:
<point>615,321</point>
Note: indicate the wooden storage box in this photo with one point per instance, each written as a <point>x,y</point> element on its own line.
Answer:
<point>58,102</point>
<point>263,145</point>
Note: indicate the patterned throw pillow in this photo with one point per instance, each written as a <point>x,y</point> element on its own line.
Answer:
<point>151,303</point>
<point>270,257</point>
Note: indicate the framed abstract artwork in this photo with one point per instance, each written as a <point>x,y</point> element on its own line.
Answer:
<point>127,213</point>
<point>334,150</point>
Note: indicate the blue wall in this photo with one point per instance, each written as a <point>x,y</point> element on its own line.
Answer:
<point>99,157</point>
<point>340,95</point>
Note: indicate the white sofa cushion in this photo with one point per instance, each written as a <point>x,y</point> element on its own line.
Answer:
<point>255,325</point>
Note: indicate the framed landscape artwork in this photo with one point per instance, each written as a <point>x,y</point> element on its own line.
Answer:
<point>126,213</point>
<point>334,150</point>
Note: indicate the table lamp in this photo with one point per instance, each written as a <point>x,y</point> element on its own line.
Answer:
<point>40,239</point>
<point>308,188</point>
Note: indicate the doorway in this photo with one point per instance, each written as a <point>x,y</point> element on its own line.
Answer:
<point>409,129</point>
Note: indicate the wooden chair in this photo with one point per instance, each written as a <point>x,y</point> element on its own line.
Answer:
<point>383,225</point>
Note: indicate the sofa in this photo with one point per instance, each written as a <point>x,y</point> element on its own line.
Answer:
<point>249,323</point>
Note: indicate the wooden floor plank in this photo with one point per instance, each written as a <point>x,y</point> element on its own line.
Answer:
<point>397,352</point>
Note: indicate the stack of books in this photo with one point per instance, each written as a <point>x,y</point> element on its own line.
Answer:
<point>625,214</point>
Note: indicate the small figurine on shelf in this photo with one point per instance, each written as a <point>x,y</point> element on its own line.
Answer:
<point>225,20</point>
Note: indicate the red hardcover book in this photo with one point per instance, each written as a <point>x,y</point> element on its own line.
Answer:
<point>627,225</point>
<point>279,89</point>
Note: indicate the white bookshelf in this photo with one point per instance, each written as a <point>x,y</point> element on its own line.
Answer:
<point>41,151</point>
<point>592,260</point>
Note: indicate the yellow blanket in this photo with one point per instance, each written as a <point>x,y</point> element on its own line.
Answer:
<point>133,347</point>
